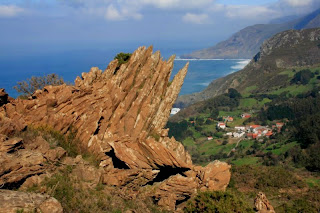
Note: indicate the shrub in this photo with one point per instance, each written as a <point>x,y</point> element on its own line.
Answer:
<point>222,202</point>
<point>29,86</point>
<point>302,77</point>
<point>122,58</point>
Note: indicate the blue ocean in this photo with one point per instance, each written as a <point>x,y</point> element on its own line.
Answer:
<point>71,63</point>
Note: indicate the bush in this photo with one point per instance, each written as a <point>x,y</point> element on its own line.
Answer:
<point>29,86</point>
<point>122,58</point>
<point>302,77</point>
<point>222,202</point>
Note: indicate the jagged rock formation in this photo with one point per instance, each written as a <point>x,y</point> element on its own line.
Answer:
<point>13,201</point>
<point>262,204</point>
<point>119,115</point>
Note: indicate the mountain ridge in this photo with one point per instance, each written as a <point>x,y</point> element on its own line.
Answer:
<point>289,49</point>
<point>246,42</point>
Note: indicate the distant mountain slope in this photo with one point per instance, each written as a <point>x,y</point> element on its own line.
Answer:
<point>286,50</point>
<point>246,42</point>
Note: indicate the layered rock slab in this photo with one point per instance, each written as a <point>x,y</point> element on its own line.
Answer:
<point>120,115</point>
<point>14,201</point>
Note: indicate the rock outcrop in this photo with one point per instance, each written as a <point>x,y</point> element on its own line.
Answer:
<point>14,201</point>
<point>119,115</point>
<point>262,204</point>
<point>20,160</point>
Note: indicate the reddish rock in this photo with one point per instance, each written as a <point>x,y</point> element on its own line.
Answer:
<point>20,160</point>
<point>10,145</point>
<point>119,115</point>
<point>14,201</point>
<point>20,165</point>
<point>215,176</point>
<point>176,188</point>
<point>134,177</point>
<point>262,204</point>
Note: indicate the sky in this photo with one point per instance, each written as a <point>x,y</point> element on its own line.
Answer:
<point>46,25</point>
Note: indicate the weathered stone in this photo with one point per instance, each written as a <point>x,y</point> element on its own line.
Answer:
<point>87,173</point>
<point>10,145</point>
<point>176,188</point>
<point>119,115</point>
<point>20,165</point>
<point>40,145</point>
<point>134,177</point>
<point>216,176</point>
<point>34,180</point>
<point>262,204</point>
<point>14,201</point>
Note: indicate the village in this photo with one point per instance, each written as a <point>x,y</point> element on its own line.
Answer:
<point>252,131</point>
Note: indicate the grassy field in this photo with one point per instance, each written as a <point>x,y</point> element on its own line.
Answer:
<point>280,148</point>
<point>245,161</point>
<point>237,122</point>
<point>248,90</point>
<point>232,113</point>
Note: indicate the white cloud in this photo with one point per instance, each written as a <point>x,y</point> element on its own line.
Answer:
<point>114,14</point>
<point>195,18</point>
<point>248,11</point>
<point>298,3</point>
<point>10,10</point>
<point>175,4</point>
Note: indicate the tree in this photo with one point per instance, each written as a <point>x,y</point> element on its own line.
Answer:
<point>302,77</point>
<point>233,93</point>
<point>29,86</point>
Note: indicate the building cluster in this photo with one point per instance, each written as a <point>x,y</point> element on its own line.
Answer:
<point>249,131</point>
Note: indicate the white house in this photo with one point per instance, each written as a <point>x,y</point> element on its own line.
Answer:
<point>221,125</point>
<point>174,111</point>
<point>238,135</point>
<point>240,128</point>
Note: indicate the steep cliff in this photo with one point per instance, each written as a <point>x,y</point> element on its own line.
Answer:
<point>286,50</point>
<point>119,115</point>
<point>246,42</point>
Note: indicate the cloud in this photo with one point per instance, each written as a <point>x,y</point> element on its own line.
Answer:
<point>195,18</point>
<point>249,11</point>
<point>298,3</point>
<point>175,4</point>
<point>10,10</point>
<point>114,14</point>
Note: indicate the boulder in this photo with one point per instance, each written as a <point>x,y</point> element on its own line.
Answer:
<point>14,201</point>
<point>262,204</point>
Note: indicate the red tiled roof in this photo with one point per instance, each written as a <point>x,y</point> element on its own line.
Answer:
<point>269,133</point>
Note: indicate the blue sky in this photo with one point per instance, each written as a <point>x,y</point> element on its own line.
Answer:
<point>31,25</point>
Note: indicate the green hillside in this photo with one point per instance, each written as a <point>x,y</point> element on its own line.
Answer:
<point>271,69</point>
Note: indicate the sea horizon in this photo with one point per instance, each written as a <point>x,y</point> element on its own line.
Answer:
<point>71,63</point>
